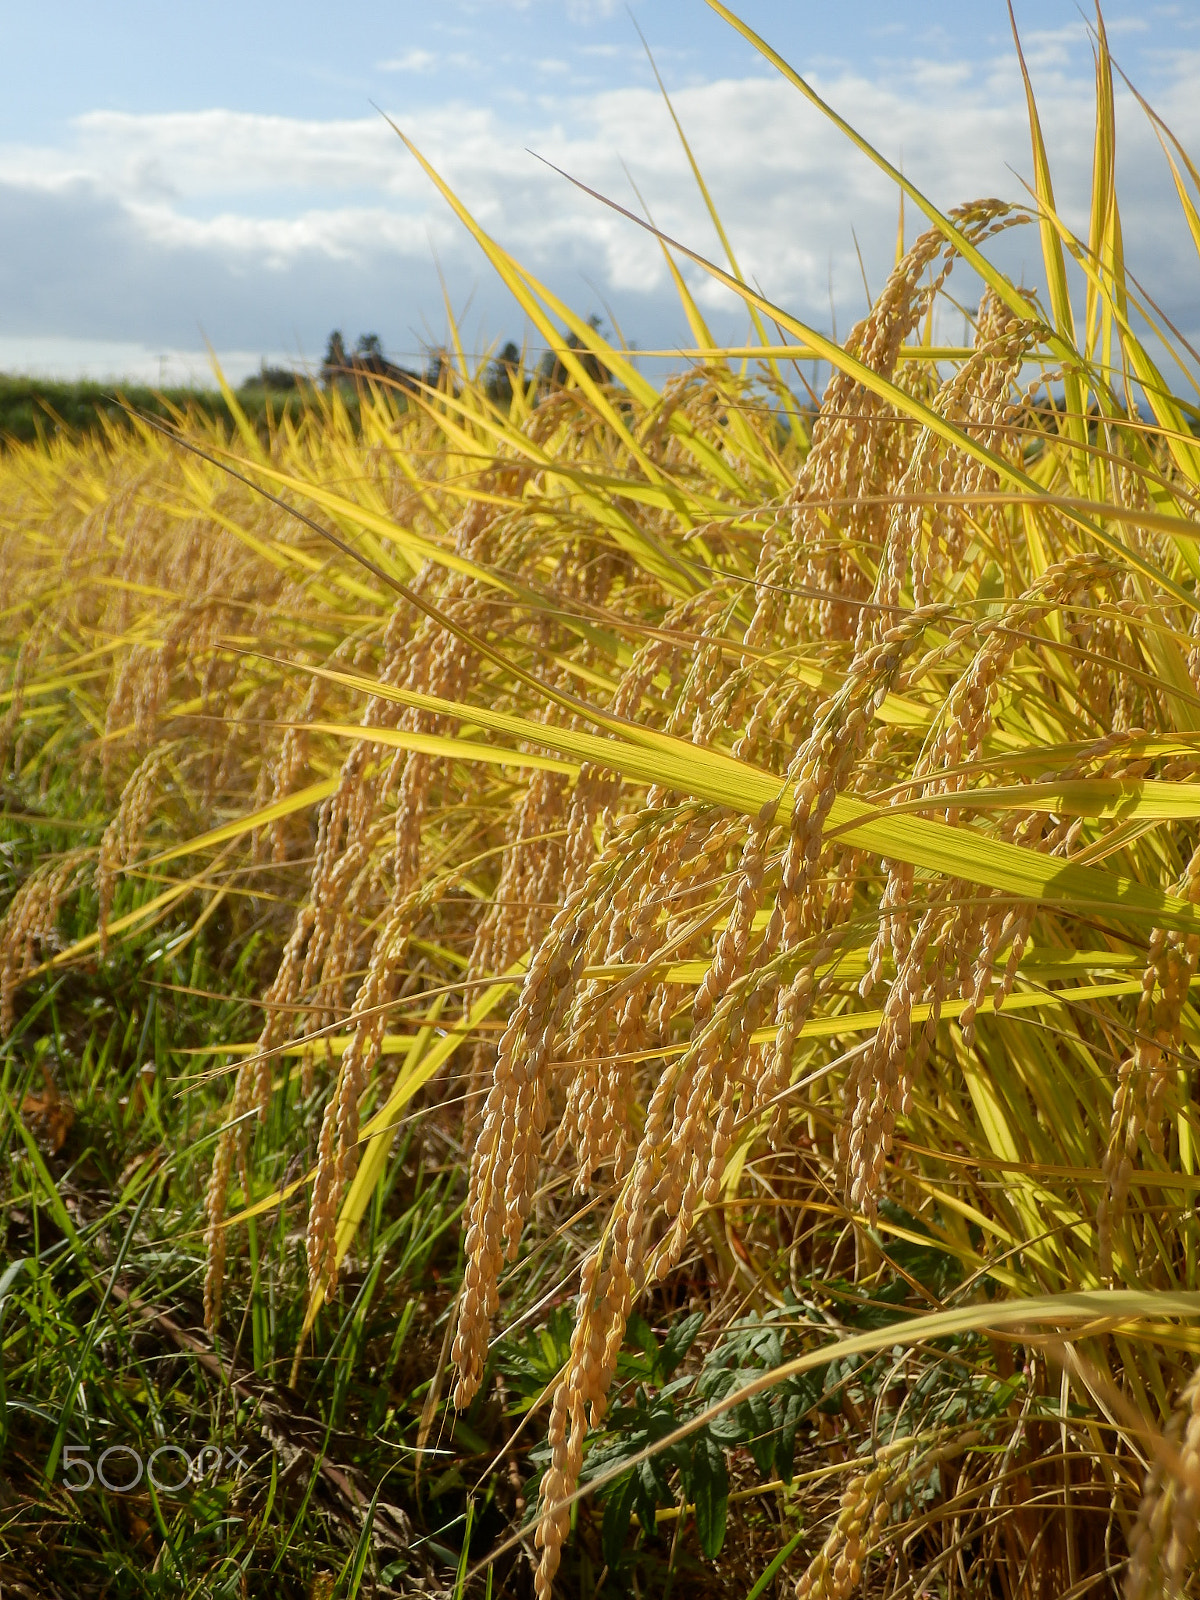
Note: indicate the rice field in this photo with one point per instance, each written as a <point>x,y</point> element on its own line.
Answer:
<point>596,979</point>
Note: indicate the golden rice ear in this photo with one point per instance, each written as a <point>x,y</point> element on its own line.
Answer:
<point>1164,1538</point>
<point>29,926</point>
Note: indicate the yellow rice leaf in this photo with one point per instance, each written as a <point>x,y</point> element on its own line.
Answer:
<point>65,680</point>
<point>710,774</point>
<point>1102,220</point>
<point>1164,134</point>
<point>371,1166</point>
<point>996,280</point>
<point>145,916</point>
<point>392,1044</point>
<point>1052,251</point>
<point>379,1131</point>
<point>533,297</point>
<point>433,744</point>
<point>1167,412</point>
<point>1126,798</point>
<point>1016,478</point>
<point>288,806</point>
<point>246,429</point>
<point>852,1022</point>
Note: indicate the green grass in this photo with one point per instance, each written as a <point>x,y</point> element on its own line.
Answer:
<point>102,1338</point>
<point>111,1071</point>
<point>33,408</point>
<point>104,1171</point>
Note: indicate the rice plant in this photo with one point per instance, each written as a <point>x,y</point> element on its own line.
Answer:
<point>759,833</point>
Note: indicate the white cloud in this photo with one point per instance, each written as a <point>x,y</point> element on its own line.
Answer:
<point>104,360</point>
<point>1048,48</point>
<point>410,61</point>
<point>590,10</point>
<point>268,230</point>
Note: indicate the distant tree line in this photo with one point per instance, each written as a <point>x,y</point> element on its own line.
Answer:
<point>367,360</point>
<point>504,371</point>
<point>33,407</point>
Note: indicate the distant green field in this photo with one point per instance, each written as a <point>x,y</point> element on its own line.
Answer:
<point>33,407</point>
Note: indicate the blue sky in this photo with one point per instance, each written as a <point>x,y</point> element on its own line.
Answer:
<point>175,174</point>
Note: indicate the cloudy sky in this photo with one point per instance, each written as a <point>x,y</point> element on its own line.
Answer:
<point>220,172</point>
